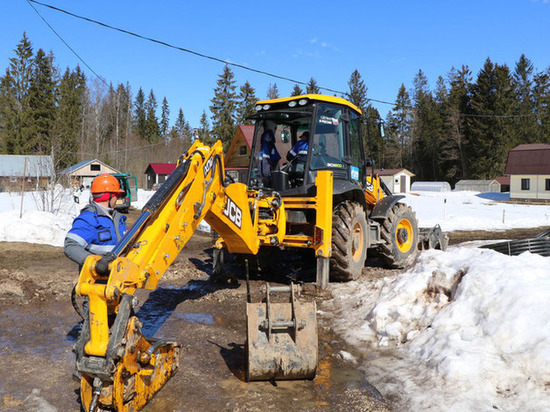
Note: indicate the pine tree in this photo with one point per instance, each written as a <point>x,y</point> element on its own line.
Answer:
<point>492,135</point>
<point>203,132</point>
<point>140,115</point>
<point>183,130</point>
<point>312,87</point>
<point>371,132</point>
<point>69,116</point>
<point>164,118</point>
<point>246,104</point>
<point>525,124</point>
<point>16,111</point>
<point>454,146</point>
<point>425,130</point>
<point>541,97</point>
<point>399,130</point>
<point>151,120</point>
<point>297,91</point>
<point>179,126</point>
<point>42,102</point>
<point>272,91</point>
<point>357,91</point>
<point>223,108</point>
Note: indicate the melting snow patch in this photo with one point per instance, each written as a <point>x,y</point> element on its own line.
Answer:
<point>466,330</point>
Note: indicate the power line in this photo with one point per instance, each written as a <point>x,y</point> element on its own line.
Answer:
<point>163,43</point>
<point>66,44</point>
<point>217,59</point>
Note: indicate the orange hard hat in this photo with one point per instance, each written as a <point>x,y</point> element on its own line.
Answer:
<point>106,184</point>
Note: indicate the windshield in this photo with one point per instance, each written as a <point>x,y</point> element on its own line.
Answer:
<point>328,140</point>
<point>284,128</point>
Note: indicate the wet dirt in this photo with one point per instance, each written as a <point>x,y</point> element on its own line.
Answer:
<point>38,328</point>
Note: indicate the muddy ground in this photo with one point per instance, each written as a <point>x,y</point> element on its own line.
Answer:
<point>38,328</point>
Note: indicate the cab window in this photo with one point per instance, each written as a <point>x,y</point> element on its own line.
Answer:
<point>328,141</point>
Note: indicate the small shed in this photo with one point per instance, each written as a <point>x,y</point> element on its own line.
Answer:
<point>504,183</point>
<point>397,180</point>
<point>82,173</point>
<point>238,153</point>
<point>431,187</point>
<point>482,186</point>
<point>157,173</point>
<point>25,172</point>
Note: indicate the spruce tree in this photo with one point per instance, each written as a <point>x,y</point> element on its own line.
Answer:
<point>454,146</point>
<point>399,128</point>
<point>357,91</point>
<point>203,132</point>
<point>42,101</point>
<point>151,121</point>
<point>223,107</point>
<point>525,123</point>
<point>140,115</point>
<point>17,114</point>
<point>541,97</point>
<point>312,87</point>
<point>246,104</point>
<point>272,91</point>
<point>164,118</point>
<point>491,130</point>
<point>296,91</point>
<point>425,130</point>
<point>69,116</point>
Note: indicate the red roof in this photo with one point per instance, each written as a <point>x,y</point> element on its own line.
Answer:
<point>248,133</point>
<point>529,159</point>
<point>503,180</point>
<point>162,168</point>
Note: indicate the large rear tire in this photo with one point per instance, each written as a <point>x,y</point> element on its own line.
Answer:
<point>400,234</point>
<point>349,241</point>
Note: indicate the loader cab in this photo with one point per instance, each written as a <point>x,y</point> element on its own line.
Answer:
<point>334,144</point>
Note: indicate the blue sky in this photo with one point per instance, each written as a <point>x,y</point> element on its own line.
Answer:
<point>387,41</point>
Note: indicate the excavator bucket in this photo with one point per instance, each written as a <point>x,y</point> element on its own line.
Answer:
<point>281,337</point>
<point>144,368</point>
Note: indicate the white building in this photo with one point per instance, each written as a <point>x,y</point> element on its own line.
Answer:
<point>529,168</point>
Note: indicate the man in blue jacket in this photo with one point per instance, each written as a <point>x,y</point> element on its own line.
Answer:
<point>299,150</point>
<point>99,226</point>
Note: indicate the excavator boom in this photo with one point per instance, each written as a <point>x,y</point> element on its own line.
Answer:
<point>120,368</point>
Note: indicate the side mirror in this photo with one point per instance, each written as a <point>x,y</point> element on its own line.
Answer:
<point>285,136</point>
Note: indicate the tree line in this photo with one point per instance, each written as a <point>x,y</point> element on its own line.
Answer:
<point>462,129</point>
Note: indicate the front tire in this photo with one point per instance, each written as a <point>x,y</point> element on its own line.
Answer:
<point>400,234</point>
<point>349,241</point>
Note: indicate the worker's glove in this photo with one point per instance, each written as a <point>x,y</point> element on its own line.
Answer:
<point>102,265</point>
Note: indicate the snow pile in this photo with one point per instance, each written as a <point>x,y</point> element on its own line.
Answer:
<point>469,330</point>
<point>475,211</point>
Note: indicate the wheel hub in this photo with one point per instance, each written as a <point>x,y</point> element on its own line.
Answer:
<point>402,235</point>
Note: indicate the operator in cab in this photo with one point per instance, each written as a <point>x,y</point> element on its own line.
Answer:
<point>99,227</point>
<point>299,150</point>
<point>268,157</point>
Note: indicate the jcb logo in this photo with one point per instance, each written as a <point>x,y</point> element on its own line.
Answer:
<point>233,212</point>
<point>208,166</point>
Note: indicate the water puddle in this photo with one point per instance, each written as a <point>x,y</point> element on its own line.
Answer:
<point>202,318</point>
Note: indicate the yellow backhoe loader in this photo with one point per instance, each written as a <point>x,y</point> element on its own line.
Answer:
<point>321,200</point>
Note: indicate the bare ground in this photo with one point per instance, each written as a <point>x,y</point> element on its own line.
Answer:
<point>38,328</point>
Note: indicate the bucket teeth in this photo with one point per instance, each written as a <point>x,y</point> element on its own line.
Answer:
<point>143,369</point>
